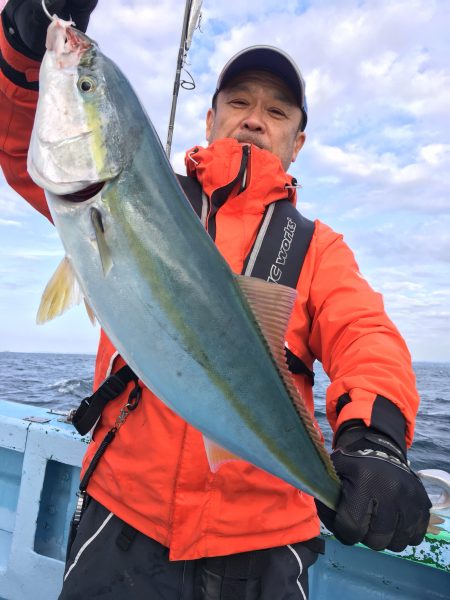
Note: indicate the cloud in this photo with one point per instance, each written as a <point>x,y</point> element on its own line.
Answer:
<point>422,241</point>
<point>34,253</point>
<point>10,223</point>
<point>422,184</point>
<point>436,154</point>
<point>11,204</point>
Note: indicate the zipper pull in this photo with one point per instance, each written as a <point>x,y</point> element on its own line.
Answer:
<point>245,156</point>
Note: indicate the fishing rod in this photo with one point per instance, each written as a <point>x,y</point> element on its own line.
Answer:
<point>191,19</point>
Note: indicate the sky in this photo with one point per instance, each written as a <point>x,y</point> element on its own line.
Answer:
<point>375,166</point>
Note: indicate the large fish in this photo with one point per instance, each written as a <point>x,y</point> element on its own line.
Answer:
<point>209,343</point>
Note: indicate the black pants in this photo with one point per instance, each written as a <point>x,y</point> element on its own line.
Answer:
<point>112,561</point>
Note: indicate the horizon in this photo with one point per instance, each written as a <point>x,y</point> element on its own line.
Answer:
<point>93,355</point>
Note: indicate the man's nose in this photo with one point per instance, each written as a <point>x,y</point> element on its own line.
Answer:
<point>253,121</point>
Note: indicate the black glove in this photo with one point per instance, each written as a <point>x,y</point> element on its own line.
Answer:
<point>25,22</point>
<point>383,503</point>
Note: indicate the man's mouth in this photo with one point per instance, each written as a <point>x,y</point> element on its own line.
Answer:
<point>251,139</point>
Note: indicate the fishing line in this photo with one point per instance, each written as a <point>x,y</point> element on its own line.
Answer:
<point>44,8</point>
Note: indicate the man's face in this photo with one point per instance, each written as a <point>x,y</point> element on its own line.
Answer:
<point>257,107</point>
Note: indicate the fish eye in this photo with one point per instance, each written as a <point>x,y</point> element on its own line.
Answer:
<point>87,84</point>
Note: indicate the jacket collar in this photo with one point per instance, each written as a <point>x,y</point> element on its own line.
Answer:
<point>219,170</point>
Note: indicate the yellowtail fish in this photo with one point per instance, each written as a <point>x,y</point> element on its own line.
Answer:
<point>209,343</point>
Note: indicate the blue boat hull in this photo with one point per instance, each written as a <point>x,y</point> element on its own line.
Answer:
<point>40,457</point>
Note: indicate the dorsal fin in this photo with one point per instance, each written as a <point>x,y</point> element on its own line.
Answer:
<point>272,306</point>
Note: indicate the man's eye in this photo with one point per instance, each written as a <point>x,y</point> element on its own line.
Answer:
<point>238,102</point>
<point>277,112</point>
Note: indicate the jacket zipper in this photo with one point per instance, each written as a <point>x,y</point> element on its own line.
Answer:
<point>241,178</point>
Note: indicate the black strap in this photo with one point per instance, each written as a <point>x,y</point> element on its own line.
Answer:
<point>280,254</point>
<point>17,77</point>
<point>193,190</point>
<point>126,537</point>
<point>91,407</point>
<point>133,400</point>
<point>97,456</point>
<point>297,366</point>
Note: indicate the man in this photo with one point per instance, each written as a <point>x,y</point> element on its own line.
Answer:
<point>159,524</point>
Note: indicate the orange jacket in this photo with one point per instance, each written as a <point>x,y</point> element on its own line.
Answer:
<point>155,474</point>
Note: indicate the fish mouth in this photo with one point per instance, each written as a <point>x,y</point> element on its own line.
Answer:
<point>70,191</point>
<point>85,194</point>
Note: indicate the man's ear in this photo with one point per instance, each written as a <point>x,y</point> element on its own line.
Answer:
<point>209,123</point>
<point>298,145</point>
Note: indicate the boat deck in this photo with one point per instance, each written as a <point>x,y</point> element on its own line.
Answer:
<point>40,457</point>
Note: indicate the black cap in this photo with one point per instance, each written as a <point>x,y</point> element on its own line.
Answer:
<point>267,58</point>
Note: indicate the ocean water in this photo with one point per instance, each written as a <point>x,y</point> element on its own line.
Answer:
<point>61,381</point>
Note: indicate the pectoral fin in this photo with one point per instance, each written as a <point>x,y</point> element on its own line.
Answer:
<point>103,250</point>
<point>61,293</point>
<point>217,455</point>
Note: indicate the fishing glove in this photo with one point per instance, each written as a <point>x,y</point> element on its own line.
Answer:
<point>383,503</point>
<point>25,22</point>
